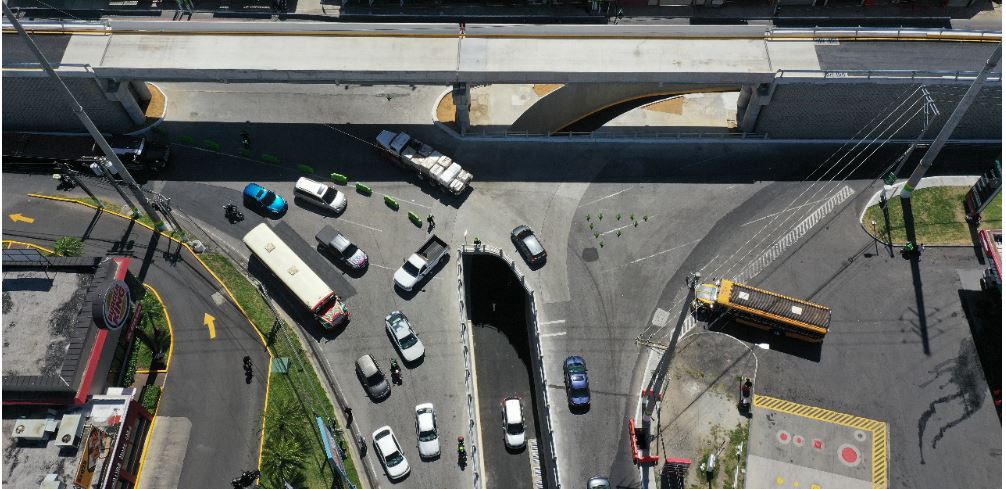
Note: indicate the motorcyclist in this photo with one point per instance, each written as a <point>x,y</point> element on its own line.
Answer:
<point>395,371</point>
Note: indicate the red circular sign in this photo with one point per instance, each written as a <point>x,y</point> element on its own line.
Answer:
<point>115,305</point>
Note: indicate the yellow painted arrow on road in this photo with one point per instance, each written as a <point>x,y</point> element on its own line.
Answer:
<point>208,321</point>
<point>21,218</point>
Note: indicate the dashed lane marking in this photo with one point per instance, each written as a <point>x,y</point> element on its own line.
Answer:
<point>605,197</point>
<point>361,225</point>
<point>547,335</point>
<point>557,321</point>
<point>877,428</point>
<point>794,235</point>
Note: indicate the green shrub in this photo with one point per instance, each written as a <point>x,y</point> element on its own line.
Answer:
<point>339,178</point>
<point>390,202</point>
<point>211,145</point>
<point>363,189</point>
<point>69,246</point>
<point>268,158</point>
<point>187,140</point>
<point>415,219</point>
<point>308,169</point>
<point>149,397</point>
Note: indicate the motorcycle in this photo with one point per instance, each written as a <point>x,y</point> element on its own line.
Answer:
<point>745,395</point>
<point>232,213</point>
<point>396,373</point>
<point>462,455</point>
<point>246,478</point>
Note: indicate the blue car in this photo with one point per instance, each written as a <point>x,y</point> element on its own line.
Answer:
<point>265,199</point>
<point>574,369</point>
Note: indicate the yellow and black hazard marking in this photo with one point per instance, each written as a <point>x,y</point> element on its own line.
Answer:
<point>877,428</point>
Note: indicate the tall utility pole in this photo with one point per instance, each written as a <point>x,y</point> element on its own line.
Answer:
<point>948,128</point>
<point>78,110</point>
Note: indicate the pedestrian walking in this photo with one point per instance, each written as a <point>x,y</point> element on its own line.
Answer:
<point>462,26</point>
<point>348,411</point>
<point>245,139</point>
<point>430,221</point>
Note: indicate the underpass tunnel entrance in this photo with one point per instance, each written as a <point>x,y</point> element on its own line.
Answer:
<point>505,365</point>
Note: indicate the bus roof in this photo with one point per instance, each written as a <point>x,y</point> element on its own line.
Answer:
<point>772,304</point>
<point>285,264</point>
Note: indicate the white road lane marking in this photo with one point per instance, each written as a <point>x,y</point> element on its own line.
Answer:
<point>605,197</point>
<point>784,210</point>
<point>409,201</point>
<point>637,260</point>
<point>557,321</point>
<point>547,335</point>
<point>361,225</point>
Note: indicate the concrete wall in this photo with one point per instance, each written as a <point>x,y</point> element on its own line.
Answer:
<point>839,110</point>
<point>34,104</point>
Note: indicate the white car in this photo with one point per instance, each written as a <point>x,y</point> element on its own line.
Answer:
<point>390,453</point>
<point>320,195</point>
<point>404,337</point>
<point>513,423</point>
<point>426,431</point>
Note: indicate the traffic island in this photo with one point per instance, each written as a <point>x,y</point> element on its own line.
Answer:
<point>702,418</point>
<point>939,214</point>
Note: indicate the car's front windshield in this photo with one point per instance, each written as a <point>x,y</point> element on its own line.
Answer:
<point>375,379</point>
<point>269,197</point>
<point>576,368</point>
<point>408,341</point>
<point>411,269</point>
<point>579,392</point>
<point>330,194</point>
<point>349,251</point>
<point>515,428</point>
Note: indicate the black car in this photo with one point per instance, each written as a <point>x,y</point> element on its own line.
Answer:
<point>528,245</point>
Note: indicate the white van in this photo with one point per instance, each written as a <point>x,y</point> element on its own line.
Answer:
<point>320,195</point>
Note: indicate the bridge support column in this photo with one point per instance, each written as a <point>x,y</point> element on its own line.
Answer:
<point>122,91</point>
<point>750,103</point>
<point>462,106</point>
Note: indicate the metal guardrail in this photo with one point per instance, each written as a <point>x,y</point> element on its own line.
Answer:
<point>549,451</point>
<point>887,74</point>
<point>870,33</point>
<point>473,414</point>
<point>602,136</point>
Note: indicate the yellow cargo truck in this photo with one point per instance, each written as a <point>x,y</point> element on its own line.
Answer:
<point>773,312</point>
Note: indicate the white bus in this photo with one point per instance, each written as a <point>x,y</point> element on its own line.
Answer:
<point>309,289</point>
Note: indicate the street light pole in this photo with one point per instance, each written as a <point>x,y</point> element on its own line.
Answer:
<point>78,110</point>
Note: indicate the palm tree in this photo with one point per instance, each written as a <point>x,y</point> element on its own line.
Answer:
<point>284,459</point>
<point>285,416</point>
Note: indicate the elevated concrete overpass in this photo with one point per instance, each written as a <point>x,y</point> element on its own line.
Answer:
<point>118,53</point>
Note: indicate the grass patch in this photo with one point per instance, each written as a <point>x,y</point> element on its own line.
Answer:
<point>295,398</point>
<point>149,397</point>
<point>731,459</point>
<point>939,217</point>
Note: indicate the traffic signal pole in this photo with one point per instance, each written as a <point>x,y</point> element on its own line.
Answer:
<point>78,110</point>
<point>948,128</point>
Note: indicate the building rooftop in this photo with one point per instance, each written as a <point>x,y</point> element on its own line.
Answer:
<point>40,310</point>
<point>78,458</point>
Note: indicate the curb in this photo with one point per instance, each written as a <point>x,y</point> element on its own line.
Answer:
<point>152,125</point>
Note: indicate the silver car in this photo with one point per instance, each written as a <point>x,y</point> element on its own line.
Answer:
<point>372,378</point>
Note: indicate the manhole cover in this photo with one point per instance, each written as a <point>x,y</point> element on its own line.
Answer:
<point>590,254</point>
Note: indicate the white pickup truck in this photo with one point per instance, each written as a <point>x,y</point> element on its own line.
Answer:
<point>428,163</point>
<point>420,263</point>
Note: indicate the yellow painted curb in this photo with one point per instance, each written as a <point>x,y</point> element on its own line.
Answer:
<point>222,284</point>
<point>171,349</point>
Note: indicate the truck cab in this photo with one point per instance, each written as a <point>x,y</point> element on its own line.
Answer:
<point>420,263</point>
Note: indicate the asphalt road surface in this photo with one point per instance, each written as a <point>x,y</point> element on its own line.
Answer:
<point>660,211</point>
<point>212,416</point>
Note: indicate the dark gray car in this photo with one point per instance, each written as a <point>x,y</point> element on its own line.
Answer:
<point>372,378</point>
<point>341,248</point>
